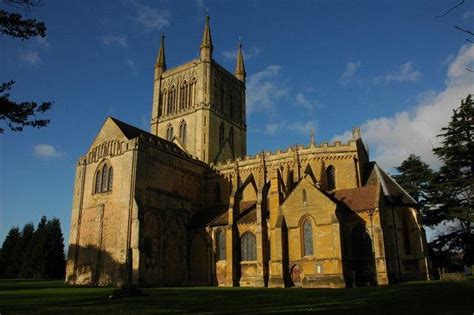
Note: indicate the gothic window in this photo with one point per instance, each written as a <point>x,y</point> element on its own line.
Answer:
<point>305,197</point>
<point>331,177</point>
<point>222,96</point>
<point>231,137</point>
<point>169,133</point>
<point>182,132</point>
<point>220,241</point>
<point>307,238</point>
<point>406,236</point>
<point>171,100</point>
<point>221,134</point>
<point>111,179</point>
<point>98,177</point>
<point>105,176</point>
<point>231,105</point>
<point>103,179</point>
<point>217,193</point>
<point>148,247</point>
<point>248,247</point>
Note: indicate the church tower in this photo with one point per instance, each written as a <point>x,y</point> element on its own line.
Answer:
<point>200,106</point>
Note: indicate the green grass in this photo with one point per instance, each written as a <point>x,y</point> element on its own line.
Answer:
<point>53,297</point>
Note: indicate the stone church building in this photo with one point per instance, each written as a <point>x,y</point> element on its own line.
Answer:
<point>184,204</point>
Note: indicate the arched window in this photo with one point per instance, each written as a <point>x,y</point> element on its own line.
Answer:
<point>307,238</point>
<point>406,236</point>
<point>231,137</point>
<point>305,197</point>
<point>98,178</point>
<point>220,245</point>
<point>111,179</point>
<point>217,192</point>
<point>221,134</point>
<point>182,132</point>
<point>172,100</point>
<point>331,177</point>
<point>169,133</point>
<point>105,177</point>
<point>231,105</point>
<point>248,247</point>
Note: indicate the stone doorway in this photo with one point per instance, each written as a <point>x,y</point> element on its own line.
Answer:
<point>295,275</point>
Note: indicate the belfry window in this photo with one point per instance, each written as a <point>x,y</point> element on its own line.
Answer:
<point>182,132</point>
<point>221,134</point>
<point>103,179</point>
<point>231,137</point>
<point>331,177</point>
<point>248,247</point>
<point>169,133</point>
<point>220,245</point>
<point>307,238</point>
<point>305,197</point>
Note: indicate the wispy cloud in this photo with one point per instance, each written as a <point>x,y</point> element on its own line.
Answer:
<point>264,88</point>
<point>42,42</point>
<point>132,66</point>
<point>47,152</point>
<point>404,73</point>
<point>249,53</point>
<point>302,101</point>
<point>349,73</point>
<point>392,139</point>
<point>111,40</point>
<point>299,127</point>
<point>30,57</point>
<point>468,15</point>
<point>150,17</point>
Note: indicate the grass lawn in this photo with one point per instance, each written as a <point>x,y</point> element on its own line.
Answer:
<point>53,297</point>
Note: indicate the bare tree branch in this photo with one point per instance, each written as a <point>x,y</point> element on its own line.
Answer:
<point>451,9</point>
<point>464,30</point>
<point>467,69</point>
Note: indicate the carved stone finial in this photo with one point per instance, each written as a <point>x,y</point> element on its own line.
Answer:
<point>312,136</point>
<point>356,133</point>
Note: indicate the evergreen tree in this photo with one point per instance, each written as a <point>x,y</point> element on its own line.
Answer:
<point>416,178</point>
<point>455,184</point>
<point>54,252</point>
<point>11,258</point>
<point>28,243</point>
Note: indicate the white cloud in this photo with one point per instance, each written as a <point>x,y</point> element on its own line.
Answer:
<point>46,152</point>
<point>392,139</point>
<point>351,69</point>
<point>111,40</point>
<point>251,53</point>
<point>302,101</point>
<point>300,127</point>
<point>151,17</point>
<point>30,57</point>
<point>405,73</point>
<point>264,88</point>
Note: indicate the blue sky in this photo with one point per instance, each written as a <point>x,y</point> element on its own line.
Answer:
<point>389,67</point>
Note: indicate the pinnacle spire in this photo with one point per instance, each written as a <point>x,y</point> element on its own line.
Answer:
<point>161,60</point>
<point>206,43</point>
<point>239,65</point>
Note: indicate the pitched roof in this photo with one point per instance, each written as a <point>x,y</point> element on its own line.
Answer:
<point>357,199</point>
<point>213,216</point>
<point>248,212</point>
<point>392,191</point>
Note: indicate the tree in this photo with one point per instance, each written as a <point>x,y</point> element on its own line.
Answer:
<point>54,252</point>
<point>10,258</point>
<point>416,178</point>
<point>455,184</point>
<point>19,115</point>
<point>28,243</point>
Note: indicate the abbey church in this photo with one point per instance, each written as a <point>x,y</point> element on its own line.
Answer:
<point>183,204</point>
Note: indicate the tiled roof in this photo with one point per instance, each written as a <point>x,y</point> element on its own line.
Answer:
<point>361,198</point>
<point>248,212</point>
<point>210,216</point>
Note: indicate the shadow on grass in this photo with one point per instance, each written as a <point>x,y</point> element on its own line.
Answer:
<point>422,297</point>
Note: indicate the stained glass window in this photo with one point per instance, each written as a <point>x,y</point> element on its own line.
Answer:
<point>248,247</point>
<point>307,238</point>
<point>220,240</point>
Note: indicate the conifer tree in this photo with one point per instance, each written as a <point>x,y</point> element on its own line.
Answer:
<point>28,243</point>
<point>10,259</point>
<point>455,184</point>
<point>54,252</point>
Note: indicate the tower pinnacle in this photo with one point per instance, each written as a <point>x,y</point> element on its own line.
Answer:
<point>206,43</point>
<point>239,66</point>
<point>160,65</point>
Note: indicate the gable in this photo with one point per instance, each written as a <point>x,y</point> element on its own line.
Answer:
<point>110,131</point>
